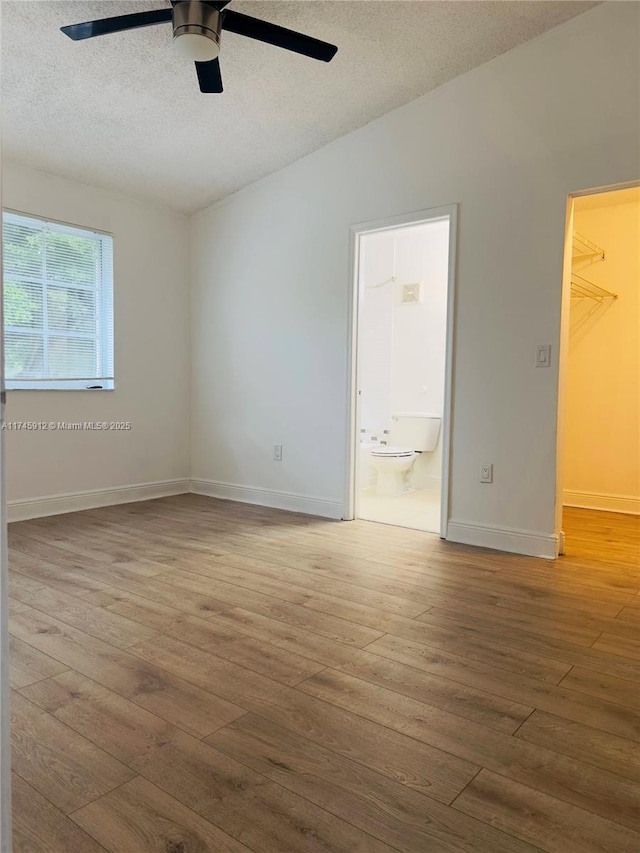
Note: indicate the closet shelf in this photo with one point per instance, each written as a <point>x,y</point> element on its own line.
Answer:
<point>585,248</point>
<point>582,288</point>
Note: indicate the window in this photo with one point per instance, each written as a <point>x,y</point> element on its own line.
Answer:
<point>58,305</point>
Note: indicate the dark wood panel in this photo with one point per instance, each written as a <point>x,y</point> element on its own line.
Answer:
<point>419,766</point>
<point>96,621</point>
<point>549,823</point>
<point>41,573</point>
<point>164,693</point>
<point>594,746</point>
<point>63,766</point>
<point>468,701</point>
<point>247,806</point>
<point>28,665</point>
<point>392,812</point>
<point>284,666</point>
<point>198,675</point>
<point>39,827</point>
<point>604,686</point>
<point>194,603</point>
<point>560,700</point>
<point>117,725</point>
<point>238,685</point>
<point>288,581</point>
<point>140,817</point>
<point>582,784</point>
<point>626,646</point>
<point>139,609</point>
<point>16,606</point>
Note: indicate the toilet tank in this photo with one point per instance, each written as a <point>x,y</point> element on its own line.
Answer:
<point>416,430</point>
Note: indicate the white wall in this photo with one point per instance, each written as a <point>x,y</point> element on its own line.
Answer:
<point>152,366</point>
<point>401,361</point>
<point>271,277</point>
<point>602,451</point>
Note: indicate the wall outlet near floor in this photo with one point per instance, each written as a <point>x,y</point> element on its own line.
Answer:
<point>486,473</point>
<point>277,452</point>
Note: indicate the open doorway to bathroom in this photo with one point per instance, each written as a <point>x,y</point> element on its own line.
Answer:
<point>401,388</point>
<point>598,507</point>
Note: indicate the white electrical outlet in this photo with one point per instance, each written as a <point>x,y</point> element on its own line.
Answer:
<point>486,473</point>
<point>277,452</point>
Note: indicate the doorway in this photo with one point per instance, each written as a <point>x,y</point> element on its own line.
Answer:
<point>401,378</point>
<point>598,500</point>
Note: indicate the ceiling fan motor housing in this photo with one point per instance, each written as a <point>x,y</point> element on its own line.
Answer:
<point>195,18</point>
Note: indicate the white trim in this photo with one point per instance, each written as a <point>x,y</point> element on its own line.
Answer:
<point>5,744</point>
<point>447,414</point>
<point>291,501</point>
<point>528,542</point>
<point>23,509</point>
<point>353,401</point>
<point>418,217</point>
<point>561,544</point>
<point>607,188</point>
<point>607,503</point>
<point>70,227</point>
<point>59,385</point>
<point>563,364</point>
<point>5,741</point>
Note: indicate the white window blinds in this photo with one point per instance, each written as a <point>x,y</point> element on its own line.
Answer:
<point>58,305</point>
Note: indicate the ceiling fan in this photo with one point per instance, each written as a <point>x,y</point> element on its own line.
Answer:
<point>197,25</point>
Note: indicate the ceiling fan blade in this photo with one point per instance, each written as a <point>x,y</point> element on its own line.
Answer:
<point>90,29</point>
<point>209,76</point>
<point>253,28</point>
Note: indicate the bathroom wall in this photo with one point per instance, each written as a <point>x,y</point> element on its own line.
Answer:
<point>602,455</point>
<point>402,344</point>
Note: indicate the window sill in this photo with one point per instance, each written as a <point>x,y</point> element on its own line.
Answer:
<point>70,385</point>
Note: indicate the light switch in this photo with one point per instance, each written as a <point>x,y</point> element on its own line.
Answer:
<point>543,355</point>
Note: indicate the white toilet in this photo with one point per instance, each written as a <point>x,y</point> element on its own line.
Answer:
<point>410,432</point>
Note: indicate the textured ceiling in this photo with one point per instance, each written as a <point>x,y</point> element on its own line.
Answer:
<point>125,113</point>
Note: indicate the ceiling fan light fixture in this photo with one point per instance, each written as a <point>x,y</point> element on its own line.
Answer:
<point>197,47</point>
<point>196,31</point>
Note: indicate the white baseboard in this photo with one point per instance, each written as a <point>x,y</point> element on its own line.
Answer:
<point>527,542</point>
<point>21,510</point>
<point>607,503</point>
<point>269,497</point>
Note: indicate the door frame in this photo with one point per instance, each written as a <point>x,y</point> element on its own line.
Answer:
<point>5,746</point>
<point>358,230</point>
<point>563,352</point>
